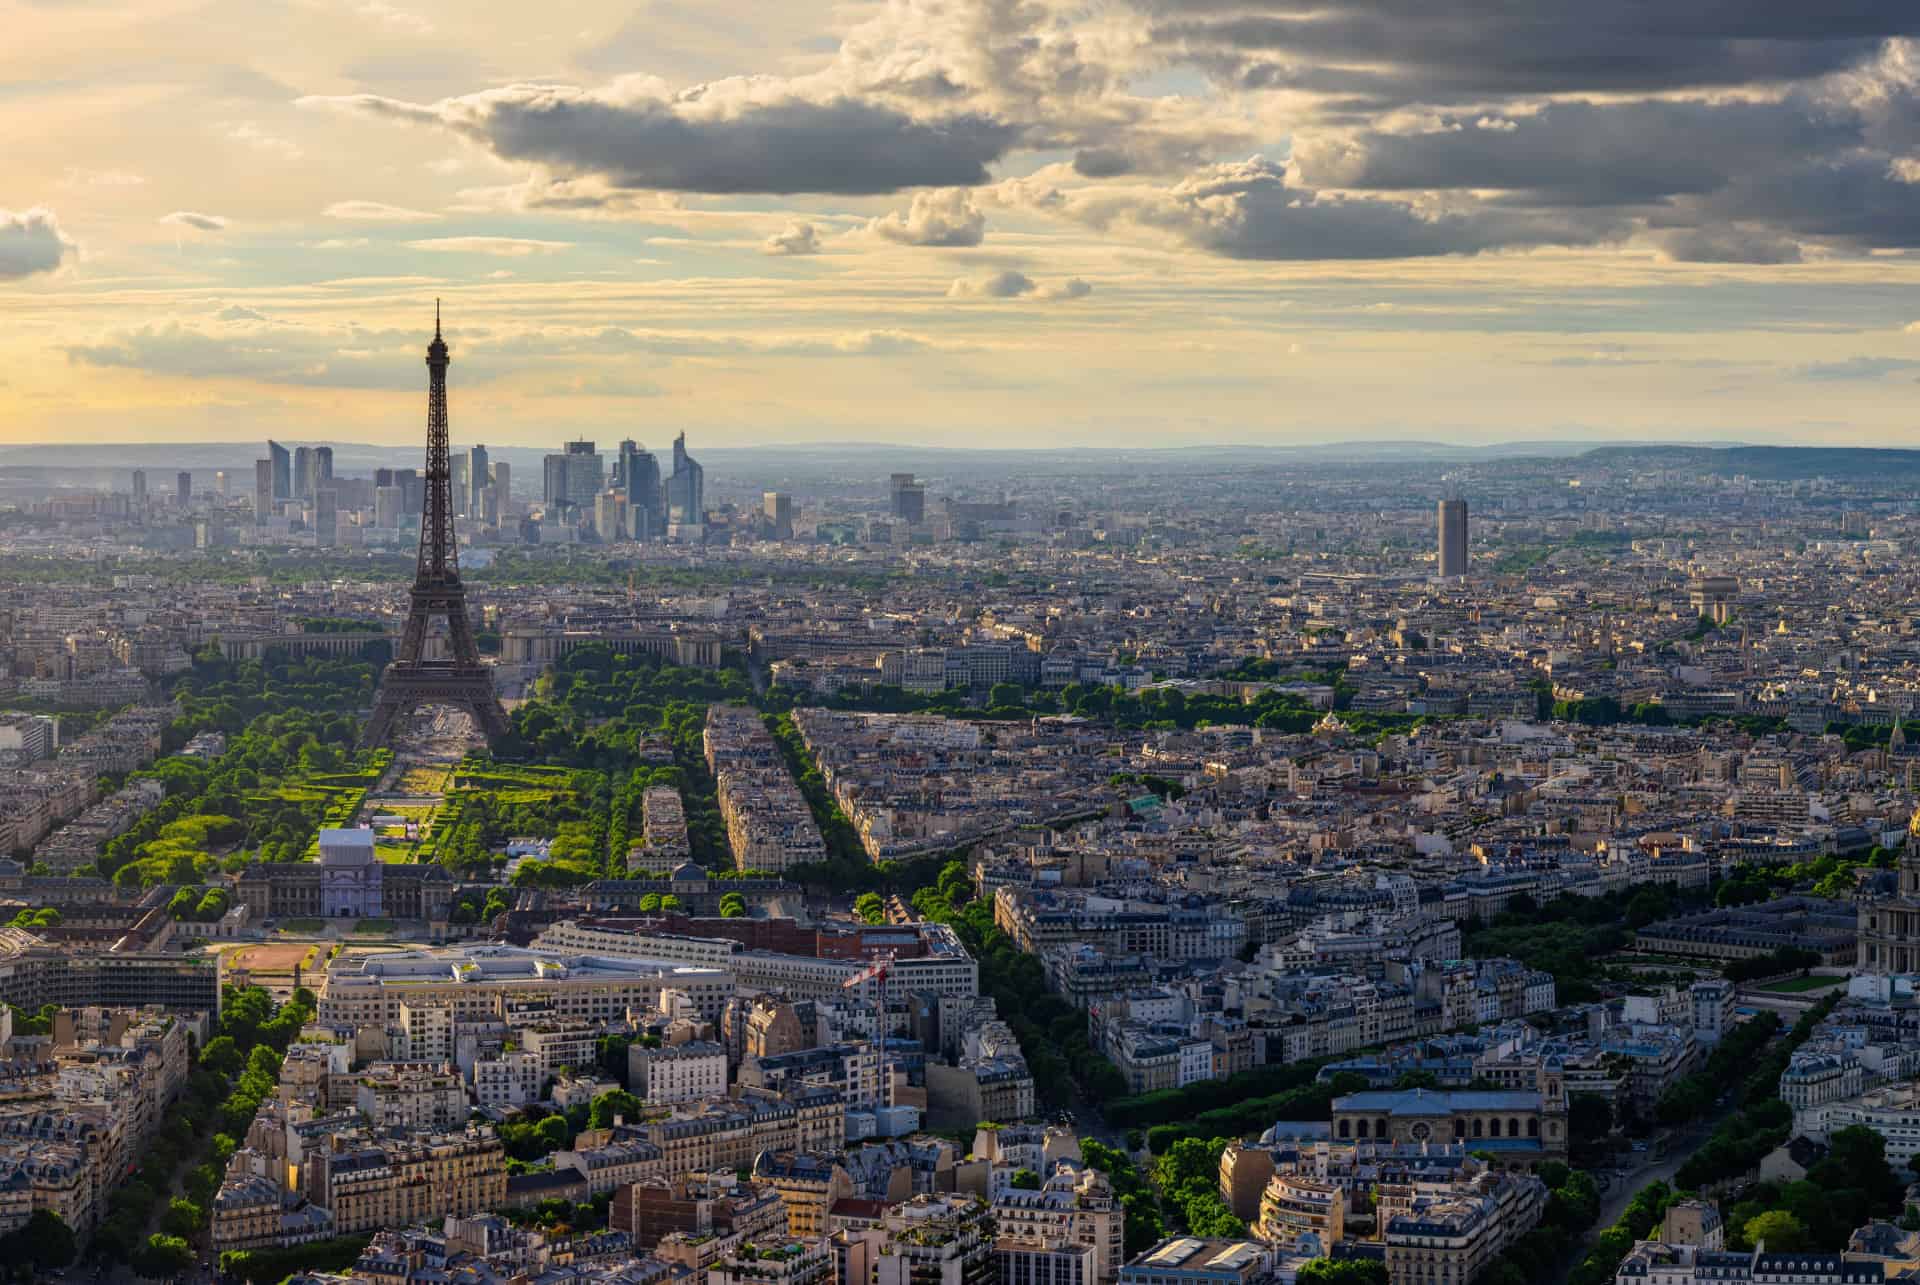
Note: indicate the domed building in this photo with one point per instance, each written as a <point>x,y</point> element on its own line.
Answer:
<point>1890,925</point>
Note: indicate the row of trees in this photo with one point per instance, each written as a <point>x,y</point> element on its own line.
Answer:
<point>1691,1097</point>
<point>1144,1224</point>
<point>236,1070</point>
<point>1851,1185</point>
<point>1149,708</point>
<point>1642,1214</point>
<point>1763,1122</point>
<point>1165,1106</point>
<point>1188,1175</point>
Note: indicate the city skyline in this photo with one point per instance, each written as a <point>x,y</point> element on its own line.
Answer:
<point>1028,223</point>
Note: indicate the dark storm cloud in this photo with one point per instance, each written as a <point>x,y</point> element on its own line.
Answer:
<point>1247,210</point>
<point>792,145</point>
<point>1581,153</point>
<point>1454,50</point>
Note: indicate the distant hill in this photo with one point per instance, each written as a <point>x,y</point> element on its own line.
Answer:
<point>1771,463</point>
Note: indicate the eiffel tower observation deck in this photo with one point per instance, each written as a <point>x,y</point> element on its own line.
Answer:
<point>460,681</point>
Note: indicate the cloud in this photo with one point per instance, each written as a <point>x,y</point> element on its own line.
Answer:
<point>31,242</point>
<point>251,135</point>
<point>601,385</point>
<point>1857,368</point>
<point>191,219</point>
<point>1071,288</point>
<point>869,343</point>
<point>505,247</point>
<point>622,341</point>
<point>999,285</point>
<point>795,238</point>
<point>1391,51</point>
<point>1249,210</point>
<point>376,212</point>
<point>730,137</point>
<point>77,177</point>
<point>234,312</point>
<point>276,355</point>
<point>946,218</point>
<point>1736,243</point>
<point>399,20</point>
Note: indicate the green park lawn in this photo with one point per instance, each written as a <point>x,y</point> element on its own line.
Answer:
<point>1801,985</point>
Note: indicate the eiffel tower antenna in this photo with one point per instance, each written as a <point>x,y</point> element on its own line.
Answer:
<point>412,680</point>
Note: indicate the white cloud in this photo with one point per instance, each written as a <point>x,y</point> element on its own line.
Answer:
<point>795,238</point>
<point>503,247</point>
<point>76,177</point>
<point>251,135</point>
<point>194,219</point>
<point>945,218</point>
<point>376,212</point>
<point>998,285</point>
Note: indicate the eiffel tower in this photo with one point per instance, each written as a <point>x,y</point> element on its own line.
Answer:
<point>412,681</point>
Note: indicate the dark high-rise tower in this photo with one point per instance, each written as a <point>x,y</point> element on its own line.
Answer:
<point>411,680</point>
<point>1453,538</point>
<point>908,499</point>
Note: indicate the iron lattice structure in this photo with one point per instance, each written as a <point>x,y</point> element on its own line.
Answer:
<point>411,680</point>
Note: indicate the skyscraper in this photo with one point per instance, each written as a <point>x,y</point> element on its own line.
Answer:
<point>322,466</point>
<point>139,488</point>
<point>303,472</point>
<point>909,499</point>
<point>645,501</point>
<point>382,477</point>
<point>413,486</point>
<point>778,508</point>
<point>586,473</point>
<point>220,483</point>
<point>282,472</point>
<point>389,502</point>
<point>502,485</point>
<point>478,478</point>
<point>462,488</point>
<point>687,488</point>
<point>1453,538</point>
<point>610,516</point>
<point>553,481</point>
<point>262,490</point>
<point>183,488</point>
<point>326,517</point>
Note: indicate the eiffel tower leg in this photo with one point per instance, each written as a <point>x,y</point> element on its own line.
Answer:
<point>379,728</point>
<point>460,640</point>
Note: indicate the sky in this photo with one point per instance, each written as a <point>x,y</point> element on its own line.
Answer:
<point>958,223</point>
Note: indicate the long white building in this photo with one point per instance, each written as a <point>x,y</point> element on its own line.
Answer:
<point>478,981</point>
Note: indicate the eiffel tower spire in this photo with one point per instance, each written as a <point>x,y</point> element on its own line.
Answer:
<point>460,681</point>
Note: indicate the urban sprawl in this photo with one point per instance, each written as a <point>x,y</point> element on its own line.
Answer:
<point>1142,869</point>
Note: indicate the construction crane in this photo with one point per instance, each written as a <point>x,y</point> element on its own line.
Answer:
<point>877,973</point>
